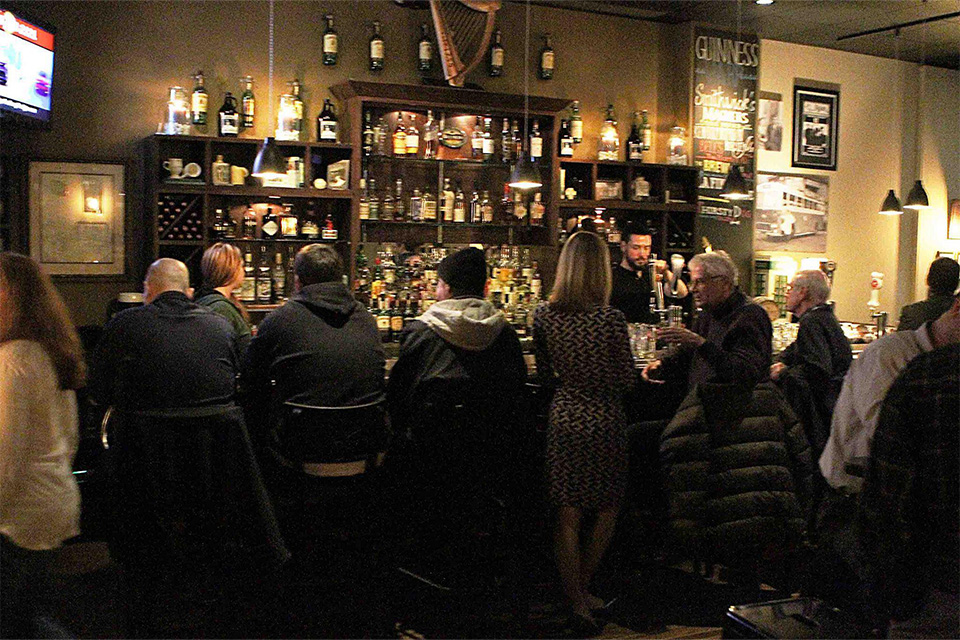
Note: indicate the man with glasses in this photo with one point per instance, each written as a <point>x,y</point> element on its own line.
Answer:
<point>631,278</point>
<point>731,340</point>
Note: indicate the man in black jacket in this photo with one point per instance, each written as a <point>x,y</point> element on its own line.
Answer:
<point>942,280</point>
<point>322,347</point>
<point>810,371</point>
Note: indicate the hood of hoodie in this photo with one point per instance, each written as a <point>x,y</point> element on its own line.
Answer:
<point>468,323</point>
<point>331,301</point>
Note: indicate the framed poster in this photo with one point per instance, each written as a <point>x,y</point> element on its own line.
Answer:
<point>953,220</point>
<point>791,213</point>
<point>77,218</point>
<point>816,114</point>
<point>769,122</point>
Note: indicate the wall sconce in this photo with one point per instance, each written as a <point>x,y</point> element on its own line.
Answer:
<point>92,194</point>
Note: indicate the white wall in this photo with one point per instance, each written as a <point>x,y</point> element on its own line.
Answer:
<point>877,142</point>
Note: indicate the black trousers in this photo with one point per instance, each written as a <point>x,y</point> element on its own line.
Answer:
<point>24,590</point>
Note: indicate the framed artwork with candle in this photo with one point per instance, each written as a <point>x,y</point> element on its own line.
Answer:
<point>77,212</point>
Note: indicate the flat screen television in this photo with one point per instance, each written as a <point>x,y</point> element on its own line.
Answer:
<point>26,68</point>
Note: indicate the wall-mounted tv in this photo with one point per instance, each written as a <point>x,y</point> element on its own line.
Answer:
<point>26,67</point>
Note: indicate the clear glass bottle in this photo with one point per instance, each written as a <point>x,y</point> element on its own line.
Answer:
<point>416,206</point>
<point>376,48</point>
<point>331,43</point>
<point>299,121</point>
<point>431,137</point>
<point>448,198</point>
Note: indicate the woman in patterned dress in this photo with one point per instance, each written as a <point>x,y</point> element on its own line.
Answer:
<point>583,348</point>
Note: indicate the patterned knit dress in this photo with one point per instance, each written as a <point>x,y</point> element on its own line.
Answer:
<point>588,353</point>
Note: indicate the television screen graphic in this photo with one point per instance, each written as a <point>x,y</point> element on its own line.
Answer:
<point>26,67</point>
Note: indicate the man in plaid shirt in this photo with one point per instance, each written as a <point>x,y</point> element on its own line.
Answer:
<point>909,518</point>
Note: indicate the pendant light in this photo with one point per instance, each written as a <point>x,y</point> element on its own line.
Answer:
<point>525,175</point>
<point>891,205</point>
<point>734,185</point>
<point>917,198</point>
<point>270,163</point>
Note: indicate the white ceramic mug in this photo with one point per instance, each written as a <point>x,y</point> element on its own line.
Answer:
<point>174,166</point>
<point>238,174</point>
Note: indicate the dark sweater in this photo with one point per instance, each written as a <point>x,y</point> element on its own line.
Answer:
<point>221,305</point>
<point>631,294</point>
<point>914,315</point>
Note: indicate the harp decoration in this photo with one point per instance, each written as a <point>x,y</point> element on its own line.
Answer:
<point>464,28</point>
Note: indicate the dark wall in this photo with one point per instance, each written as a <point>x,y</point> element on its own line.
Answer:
<point>115,61</point>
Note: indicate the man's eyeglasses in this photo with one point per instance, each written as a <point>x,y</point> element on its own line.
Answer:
<point>699,282</point>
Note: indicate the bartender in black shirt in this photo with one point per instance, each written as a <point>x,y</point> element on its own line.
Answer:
<point>631,278</point>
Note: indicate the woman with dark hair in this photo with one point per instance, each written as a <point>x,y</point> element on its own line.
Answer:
<point>222,271</point>
<point>583,348</point>
<point>41,366</point>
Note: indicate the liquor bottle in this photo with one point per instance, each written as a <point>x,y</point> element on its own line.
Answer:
<point>425,51</point>
<point>646,132</point>
<point>507,146</point>
<point>396,322</point>
<point>546,59</point>
<point>288,222</point>
<point>635,142</point>
<point>383,319</point>
<point>519,206</point>
<point>476,215</point>
<point>327,124</point>
<point>576,123</point>
<point>248,288</point>
<point>224,227</point>
<point>376,48</point>
<point>388,207</point>
<point>382,140</point>
<point>476,140</point>
<point>271,224</point>
<point>536,284</point>
<point>566,140</point>
<point>506,204</point>
<point>279,278</point>
<point>199,102</point>
<point>364,201</point>
<point>608,144</point>
<point>416,206</point>
<point>536,142</point>
<point>459,206</point>
<point>537,209</point>
<point>229,119</point>
<point>413,137</point>
<point>517,140</point>
<point>447,199</point>
<point>496,56</point>
<point>329,231</point>
<point>486,208</point>
<point>400,138</point>
<point>311,227</point>
<point>368,135</point>
<point>374,200</point>
<point>300,122</point>
<point>248,104</point>
<point>429,205</point>
<point>431,137</point>
<point>250,223</point>
<point>330,43</point>
<point>489,147</point>
<point>264,286</point>
<point>400,212</point>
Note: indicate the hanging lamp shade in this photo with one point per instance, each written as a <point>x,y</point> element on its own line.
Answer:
<point>525,175</point>
<point>734,186</point>
<point>270,163</point>
<point>891,205</point>
<point>917,198</point>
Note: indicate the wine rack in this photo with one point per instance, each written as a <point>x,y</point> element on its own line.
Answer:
<point>180,218</point>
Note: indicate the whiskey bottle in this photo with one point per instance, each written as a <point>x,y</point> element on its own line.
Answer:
<point>279,278</point>
<point>476,140</point>
<point>400,212</point>
<point>507,146</point>
<point>576,123</point>
<point>248,288</point>
<point>459,206</point>
<point>250,223</point>
<point>635,142</point>
<point>199,102</point>
<point>296,90</point>
<point>496,56</point>
<point>506,204</point>
<point>425,51</point>
<point>476,215</point>
<point>517,140</point>
<point>447,198</point>
<point>329,231</point>
<point>413,137</point>
<point>536,142</point>
<point>264,286</point>
<point>229,119</point>
<point>330,43</point>
<point>327,125</point>
<point>224,227</point>
<point>369,135</point>
<point>376,48</point>
<point>537,209</point>
<point>388,207</point>
<point>374,200</point>
<point>566,140</point>
<point>416,206</point>
<point>400,138</point>
<point>431,137</point>
<point>489,147</point>
<point>519,207</point>
<point>429,205</point>
<point>271,224</point>
<point>364,206</point>
<point>546,59</point>
<point>248,104</point>
<point>646,132</point>
<point>486,208</point>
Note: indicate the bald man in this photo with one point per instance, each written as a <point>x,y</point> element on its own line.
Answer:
<point>169,353</point>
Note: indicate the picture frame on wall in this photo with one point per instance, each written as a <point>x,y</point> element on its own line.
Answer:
<point>816,117</point>
<point>791,212</point>
<point>953,220</point>
<point>77,213</point>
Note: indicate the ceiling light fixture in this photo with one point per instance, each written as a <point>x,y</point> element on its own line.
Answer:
<point>764,2</point>
<point>526,176</point>
<point>270,163</point>
<point>891,205</point>
<point>734,185</point>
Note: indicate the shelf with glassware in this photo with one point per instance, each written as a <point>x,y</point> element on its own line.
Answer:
<point>200,192</point>
<point>661,196</point>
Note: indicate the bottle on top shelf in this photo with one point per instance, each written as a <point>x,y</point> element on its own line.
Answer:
<point>229,120</point>
<point>547,59</point>
<point>576,123</point>
<point>413,137</point>
<point>608,144</point>
<point>400,138</point>
<point>425,51</point>
<point>646,131</point>
<point>330,42</point>
<point>566,140</point>
<point>299,124</point>
<point>635,141</point>
<point>376,48</point>
<point>327,124</point>
<point>199,102</point>
<point>496,55</point>
<point>248,103</point>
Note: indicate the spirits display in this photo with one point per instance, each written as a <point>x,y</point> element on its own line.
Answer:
<point>425,51</point>
<point>646,131</point>
<point>327,124</point>
<point>376,48</point>
<point>400,139</point>
<point>496,56</point>
<point>279,276</point>
<point>264,284</point>
<point>431,137</point>
<point>476,140</point>
<point>566,140</point>
<point>546,59</point>
<point>229,120</point>
<point>199,101</point>
<point>330,43</point>
<point>576,123</point>
<point>507,146</point>
<point>369,135</point>
<point>248,104</point>
<point>536,142</point>
<point>299,122</point>
<point>489,146</point>
<point>608,145</point>
<point>271,224</point>
<point>248,287</point>
<point>413,137</point>
<point>635,141</point>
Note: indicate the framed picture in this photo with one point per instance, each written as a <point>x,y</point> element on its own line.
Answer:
<point>816,114</point>
<point>77,218</point>
<point>953,220</point>
<point>769,122</point>
<point>791,213</point>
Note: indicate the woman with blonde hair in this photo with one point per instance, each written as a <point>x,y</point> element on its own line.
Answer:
<point>41,364</point>
<point>582,347</point>
<point>222,270</point>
